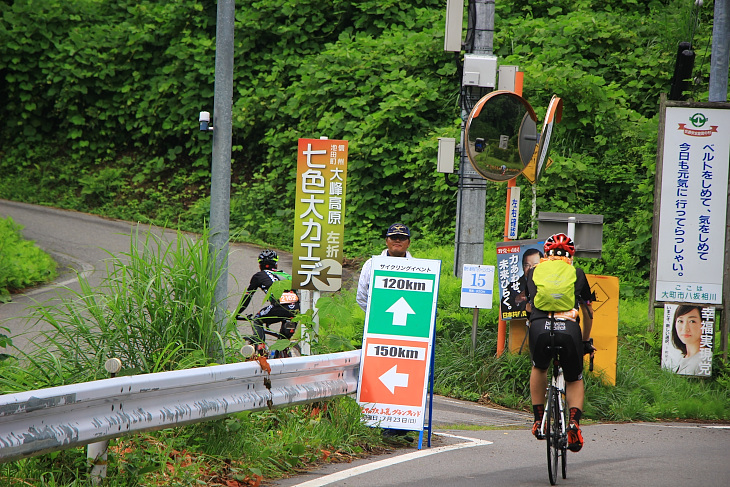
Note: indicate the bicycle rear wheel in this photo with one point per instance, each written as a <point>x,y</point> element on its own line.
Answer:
<point>552,434</point>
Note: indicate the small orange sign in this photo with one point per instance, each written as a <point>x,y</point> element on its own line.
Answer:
<point>394,371</point>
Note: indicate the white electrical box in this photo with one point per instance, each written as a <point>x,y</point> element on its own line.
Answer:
<point>454,25</point>
<point>507,76</point>
<point>480,70</point>
<point>447,152</point>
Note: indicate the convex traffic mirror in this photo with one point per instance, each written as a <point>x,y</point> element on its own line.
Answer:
<point>501,135</point>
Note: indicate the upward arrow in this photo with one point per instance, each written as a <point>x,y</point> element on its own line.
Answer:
<point>400,310</point>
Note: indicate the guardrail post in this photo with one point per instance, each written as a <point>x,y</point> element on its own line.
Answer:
<point>96,453</point>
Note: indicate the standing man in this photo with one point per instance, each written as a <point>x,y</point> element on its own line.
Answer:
<point>555,292</point>
<point>397,241</point>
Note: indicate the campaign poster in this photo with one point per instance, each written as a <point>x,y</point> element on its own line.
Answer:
<point>687,340</point>
<point>514,259</point>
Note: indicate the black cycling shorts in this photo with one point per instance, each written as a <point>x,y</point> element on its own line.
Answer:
<point>568,335</point>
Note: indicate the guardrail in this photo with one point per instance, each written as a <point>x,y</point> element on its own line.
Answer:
<point>57,418</point>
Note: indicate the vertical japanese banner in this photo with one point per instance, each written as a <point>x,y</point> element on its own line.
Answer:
<point>514,259</point>
<point>319,218</point>
<point>514,212</point>
<point>692,213</point>
<point>687,341</point>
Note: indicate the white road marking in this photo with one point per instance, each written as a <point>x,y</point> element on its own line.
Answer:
<point>352,472</point>
<point>687,426</point>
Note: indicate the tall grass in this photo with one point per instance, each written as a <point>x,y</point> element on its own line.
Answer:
<point>154,311</point>
<point>22,263</point>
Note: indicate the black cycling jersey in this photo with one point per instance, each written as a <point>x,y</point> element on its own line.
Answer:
<point>263,280</point>
<point>277,310</point>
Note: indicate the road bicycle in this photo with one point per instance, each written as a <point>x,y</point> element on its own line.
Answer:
<point>284,347</point>
<point>554,426</point>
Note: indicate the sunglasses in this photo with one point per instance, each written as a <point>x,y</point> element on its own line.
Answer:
<point>399,238</point>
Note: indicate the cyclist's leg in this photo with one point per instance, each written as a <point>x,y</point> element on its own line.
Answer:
<point>574,387</point>
<point>284,314</point>
<point>538,385</point>
<point>273,314</point>
<point>538,376</point>
<point>258,324</point>
<point>575,394</point>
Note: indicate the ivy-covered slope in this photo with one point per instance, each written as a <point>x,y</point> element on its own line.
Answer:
<point>102,98</point>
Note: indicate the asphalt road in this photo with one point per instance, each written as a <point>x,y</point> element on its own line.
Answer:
<point>635,454</point>
<point>472,445</point>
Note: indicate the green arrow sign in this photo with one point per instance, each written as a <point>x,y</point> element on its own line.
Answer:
<point>403,296</point>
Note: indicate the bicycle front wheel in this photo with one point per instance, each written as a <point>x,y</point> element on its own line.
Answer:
<point>552,434</point>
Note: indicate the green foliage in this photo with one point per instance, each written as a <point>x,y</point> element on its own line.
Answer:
<point>341,324</point>
<point>101,100</point>
<point>22,263</point>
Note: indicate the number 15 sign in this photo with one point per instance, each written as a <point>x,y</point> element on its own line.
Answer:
<point>477,282</point>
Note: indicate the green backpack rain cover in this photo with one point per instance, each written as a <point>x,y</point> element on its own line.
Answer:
<point>555,281</point>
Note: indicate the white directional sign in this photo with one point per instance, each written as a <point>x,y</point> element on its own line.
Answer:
<point>399,325</point>
<point>392,379</point>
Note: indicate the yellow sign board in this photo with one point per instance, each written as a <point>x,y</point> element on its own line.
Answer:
<point>605,325</point>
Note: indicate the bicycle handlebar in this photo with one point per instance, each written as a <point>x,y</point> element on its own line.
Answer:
<point>592,353</point>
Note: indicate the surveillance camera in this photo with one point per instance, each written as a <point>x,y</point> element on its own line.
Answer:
<point>204,120</point>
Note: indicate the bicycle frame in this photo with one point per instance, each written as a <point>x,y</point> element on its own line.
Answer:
<point>287,330</point>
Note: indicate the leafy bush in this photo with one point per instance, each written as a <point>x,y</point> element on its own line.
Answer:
<point>22,263</point>
<point>100,115</point>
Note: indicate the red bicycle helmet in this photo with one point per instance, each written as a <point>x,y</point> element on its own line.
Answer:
<point>559,244</point>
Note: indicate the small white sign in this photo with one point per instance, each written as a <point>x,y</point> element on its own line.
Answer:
<point>477,283</point>
<point>514,212</point>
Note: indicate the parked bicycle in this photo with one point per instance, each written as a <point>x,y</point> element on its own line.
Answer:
<point>283,347</point>
<point>555,421</point>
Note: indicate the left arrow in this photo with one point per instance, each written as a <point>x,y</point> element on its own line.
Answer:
<point>400,310</point>
<point>392,379</point>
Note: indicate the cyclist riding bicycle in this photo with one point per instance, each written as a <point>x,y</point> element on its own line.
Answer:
<point>277,310</point>
<point>556,292</point>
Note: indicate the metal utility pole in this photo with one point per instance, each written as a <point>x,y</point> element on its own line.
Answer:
<point>720,51</point>
<point>472,193</point>
<point>220,190</point>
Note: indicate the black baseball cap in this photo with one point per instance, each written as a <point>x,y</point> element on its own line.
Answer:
<point>398,229</point>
